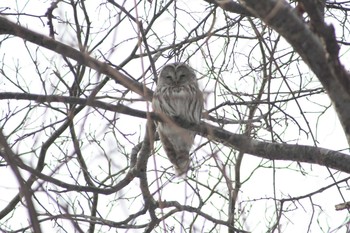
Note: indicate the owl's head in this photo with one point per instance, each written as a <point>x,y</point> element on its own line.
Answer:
<point>176,74</point>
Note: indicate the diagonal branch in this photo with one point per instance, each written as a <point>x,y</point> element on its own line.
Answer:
<point>8,27</point>
<point>276,151</point>
<point>318,50</point>
<point>11,159</point>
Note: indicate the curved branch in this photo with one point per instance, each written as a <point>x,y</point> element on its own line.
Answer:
<point>318,48</point>
<point>191,209</point>
<point>276,151</point>
<point>8,27</point>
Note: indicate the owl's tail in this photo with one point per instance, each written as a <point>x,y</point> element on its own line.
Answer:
<point>182,163</point>
<point>177,148</point>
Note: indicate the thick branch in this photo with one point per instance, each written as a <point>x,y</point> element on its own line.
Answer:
<point>317,50</point>
<point>8,27</point>
<point>276,151</point>
<point>299,153</point>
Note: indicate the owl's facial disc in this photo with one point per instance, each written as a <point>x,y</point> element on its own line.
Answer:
<point>180,78</point>
<point>177,74</point>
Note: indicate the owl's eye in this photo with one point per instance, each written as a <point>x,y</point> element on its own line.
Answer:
<point>168,77</point>
<point>182,76</point>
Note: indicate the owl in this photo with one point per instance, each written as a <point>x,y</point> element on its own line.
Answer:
<point>177,96</point>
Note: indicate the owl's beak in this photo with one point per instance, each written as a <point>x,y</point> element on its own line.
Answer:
<point>176,80</point>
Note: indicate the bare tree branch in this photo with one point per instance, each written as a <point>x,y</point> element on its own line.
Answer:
<point>25,190</point>
<point>319,51</point>
<point>275,151</point>
<point>7,27</point>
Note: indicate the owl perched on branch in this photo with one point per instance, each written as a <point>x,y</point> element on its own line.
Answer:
<point>177,96</point>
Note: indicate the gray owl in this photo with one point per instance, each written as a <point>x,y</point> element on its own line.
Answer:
<point>177,96</point>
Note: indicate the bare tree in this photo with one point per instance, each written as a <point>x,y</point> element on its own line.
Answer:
<point>79,150</point>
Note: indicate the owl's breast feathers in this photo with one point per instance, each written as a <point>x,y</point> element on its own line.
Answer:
<point>177,89</point>
<point>179,101</point>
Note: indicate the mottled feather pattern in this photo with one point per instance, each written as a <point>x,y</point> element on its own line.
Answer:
<point>177,95</point>
<point>181,101</point>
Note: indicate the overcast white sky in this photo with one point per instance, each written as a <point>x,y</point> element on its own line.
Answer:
<point>289,182</point>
